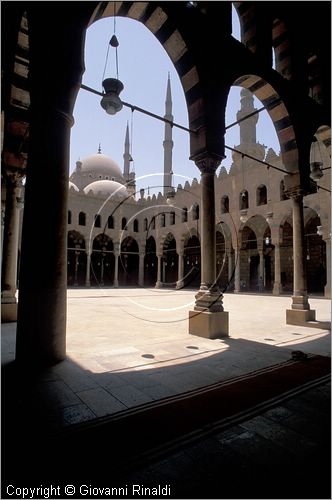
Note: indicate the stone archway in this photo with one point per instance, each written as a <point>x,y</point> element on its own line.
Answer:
<point>278,113</point>
<point>169,262</point>
<point>102,261</point>
<point>76,259</point>
<point>249,260</point>
<point>150,262</point>
<point>315,249</point>
<point>192,262</point>
<point>129,262</point>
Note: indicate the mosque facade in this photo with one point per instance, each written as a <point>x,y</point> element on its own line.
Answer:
<point>117,237</point>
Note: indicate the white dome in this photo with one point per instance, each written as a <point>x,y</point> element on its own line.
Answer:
<point>101,166</point>
<point>73,186</point>
<point>106,188</point>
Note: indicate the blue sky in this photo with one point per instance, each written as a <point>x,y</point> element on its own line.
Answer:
<point>143,68</point>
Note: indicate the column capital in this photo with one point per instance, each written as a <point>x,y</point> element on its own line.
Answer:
<point>293,187</point>
<point>260,246</point>
<point>295,193</point>
<point>13,176</point>
<point>207,162</point>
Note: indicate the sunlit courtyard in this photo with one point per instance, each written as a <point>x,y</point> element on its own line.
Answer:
<point>130,346</point>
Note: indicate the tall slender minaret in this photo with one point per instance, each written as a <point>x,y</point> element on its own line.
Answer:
<point>248,126</point>
<point>168,142</point>
<point>248,142</point>
<point>126,156</point>
<point>129,177</point>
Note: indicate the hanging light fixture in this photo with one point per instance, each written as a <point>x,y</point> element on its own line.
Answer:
<point>320,230</point>
<point>267,240</point>
<point>316,164</point>
<point>269,217</point>
<point>243,216</point>
<point>170,195</point>
<point>111,101</point>
<point>316,170</point>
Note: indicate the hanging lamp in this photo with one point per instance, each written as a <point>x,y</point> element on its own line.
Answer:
<point>111,101</point>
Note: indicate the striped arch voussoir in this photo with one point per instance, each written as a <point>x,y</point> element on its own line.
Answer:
<point>278,114</point>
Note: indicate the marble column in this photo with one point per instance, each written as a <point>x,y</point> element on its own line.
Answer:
<point>237,279</point>
<point>261,264</point>
<point>77,254</point>
<point>277,288</point>
<point>116,268</point>
<point>141,269</point>
<point>88,266</point>
<point>180,282</point>
<point>300,311</point>
<point>159,270</point>
<point>208,319</point>
<point>327,288</point>
<point>230,268</point>
<point>54,84</point>
<point>10,249</point>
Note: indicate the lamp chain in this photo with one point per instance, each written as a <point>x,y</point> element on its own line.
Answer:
<point>116,47</point>
<point>114,43</point>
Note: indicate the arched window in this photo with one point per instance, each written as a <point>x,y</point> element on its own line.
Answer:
<point>145,224</point>
<point>195,212</point>
<point>162,220</point>
<point>69,217</point>
<point>224,205</point>
<point>81,219</point>
<point>124,223</point>
<point>97,220</point>
<point>244,200</point>
<point>110,222</point>
<point>184,217</point>
<point>172,218</point>
<point>135,226</point>
<point>261,195</point>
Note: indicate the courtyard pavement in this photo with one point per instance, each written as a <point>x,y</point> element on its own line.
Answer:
<point>126,347</point>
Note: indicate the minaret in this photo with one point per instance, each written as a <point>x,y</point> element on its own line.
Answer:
<point>126,156</point>
<point>129,177</point>
<point>248,142</point>
<point>248,126</point>
<point>168,143</point>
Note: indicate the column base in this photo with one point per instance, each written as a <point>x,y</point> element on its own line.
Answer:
<point>209,325</point>
<point>8,312</point>
<point>327,292</point>
<point>116,284</point>
<point>277,289</point>
<point>179,285</point>
<point>158,284</point>
<point>300,317</point>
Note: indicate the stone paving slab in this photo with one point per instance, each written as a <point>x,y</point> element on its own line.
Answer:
<point>128,346</point>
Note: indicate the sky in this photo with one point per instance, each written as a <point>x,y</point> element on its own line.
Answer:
<point>143,66</point>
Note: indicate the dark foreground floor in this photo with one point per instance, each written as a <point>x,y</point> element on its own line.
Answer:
<point>281,452</point>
